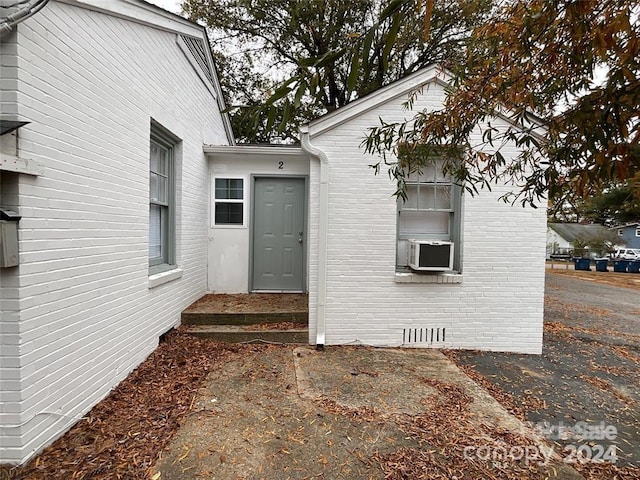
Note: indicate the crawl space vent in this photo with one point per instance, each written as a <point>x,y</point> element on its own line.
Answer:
<point>428,335</point>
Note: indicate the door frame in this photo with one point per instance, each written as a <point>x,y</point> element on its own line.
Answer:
<point>305,241</point>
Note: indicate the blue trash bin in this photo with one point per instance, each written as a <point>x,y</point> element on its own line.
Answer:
<point>582,263</point>
<point>601,264</point>
<point>634,266</point>
<point>620,266</point>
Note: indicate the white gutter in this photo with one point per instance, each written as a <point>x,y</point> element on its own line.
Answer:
<point>323,228</point>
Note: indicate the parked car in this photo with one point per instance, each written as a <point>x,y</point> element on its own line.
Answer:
<point>627,254</point>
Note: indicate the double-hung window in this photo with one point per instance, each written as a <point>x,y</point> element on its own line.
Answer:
<point>431,210</point>
<point>228,201</point>
<point>162,151</point>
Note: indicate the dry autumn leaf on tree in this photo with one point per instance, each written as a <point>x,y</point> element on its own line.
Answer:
<point>567,72</point>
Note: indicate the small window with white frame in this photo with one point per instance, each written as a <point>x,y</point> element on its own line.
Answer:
<point>620,232</point>
<point>638,231</point>
<point>228,201</point>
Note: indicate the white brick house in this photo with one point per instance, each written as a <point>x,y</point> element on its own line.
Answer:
<point>134,203</point>
<point>352,239</point>
<point>116,93</point>
<point>493,298</point>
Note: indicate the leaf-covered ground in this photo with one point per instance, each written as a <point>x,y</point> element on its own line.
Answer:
<point>357,413</point>
<point>588,372</point>
<point>122,436</point>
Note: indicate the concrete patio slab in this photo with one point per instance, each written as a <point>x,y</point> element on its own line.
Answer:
<point>294,413</point>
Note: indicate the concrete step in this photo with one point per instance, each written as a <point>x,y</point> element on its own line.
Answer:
<point>248,333</point>
<point>242,318</point>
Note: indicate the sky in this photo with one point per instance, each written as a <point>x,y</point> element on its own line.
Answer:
<point>170,5</point>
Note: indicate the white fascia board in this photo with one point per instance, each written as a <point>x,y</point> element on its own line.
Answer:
<point>143,13</point>
<point>253,150</point>
<point>369,102</point>
<point>419,79</point>
<point>228,127</point>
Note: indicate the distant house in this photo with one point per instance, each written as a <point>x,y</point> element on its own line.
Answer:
<point>561,236</point>
<point>629,235</point>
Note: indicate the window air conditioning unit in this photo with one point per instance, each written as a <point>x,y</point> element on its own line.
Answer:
<point>429,255</point>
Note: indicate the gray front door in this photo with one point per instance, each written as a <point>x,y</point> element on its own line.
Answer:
<point>278,234</point>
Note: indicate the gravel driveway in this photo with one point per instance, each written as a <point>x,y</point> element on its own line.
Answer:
<point>587,376</point>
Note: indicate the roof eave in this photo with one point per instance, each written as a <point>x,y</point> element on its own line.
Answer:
<point>433,74</point>
<point>419,79</point>
<point>141,12</point>
<point>262,150</point>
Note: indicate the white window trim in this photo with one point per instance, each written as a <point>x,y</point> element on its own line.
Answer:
<point>166,139</point>
<point>403,273</point>
<point>441,278</point>
<point>637,231</point>
<point>161,278</point>
<point>244,201</point>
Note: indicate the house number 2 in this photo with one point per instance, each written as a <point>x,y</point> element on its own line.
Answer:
<point>280,165</point>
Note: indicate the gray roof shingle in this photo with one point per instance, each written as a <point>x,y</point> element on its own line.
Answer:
<point>572,231</point>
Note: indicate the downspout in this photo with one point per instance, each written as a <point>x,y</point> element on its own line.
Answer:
<point>323,228</point>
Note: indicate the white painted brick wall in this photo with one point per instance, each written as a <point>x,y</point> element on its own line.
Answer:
<point>90,83</point>
<point>8,74</point>
<point>10,380</point>
<point>499,304</point>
